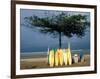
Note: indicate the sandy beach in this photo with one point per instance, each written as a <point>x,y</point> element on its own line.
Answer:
<point>41,62</point>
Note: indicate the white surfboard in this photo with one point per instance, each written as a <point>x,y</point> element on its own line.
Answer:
<point>48,56</point>
<point>65,60</point>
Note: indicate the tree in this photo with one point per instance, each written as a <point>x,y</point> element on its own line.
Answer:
<point>75,25</point>
<point>60,25</point>
<point>52,25</point>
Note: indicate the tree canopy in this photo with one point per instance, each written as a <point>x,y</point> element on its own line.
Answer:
<point>60,25</point>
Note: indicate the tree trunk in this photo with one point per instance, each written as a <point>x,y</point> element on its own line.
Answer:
<point>59,39</point>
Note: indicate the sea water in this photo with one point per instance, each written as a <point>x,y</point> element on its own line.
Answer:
<point>25,55</point>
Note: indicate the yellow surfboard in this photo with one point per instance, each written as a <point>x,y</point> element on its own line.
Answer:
<point>51,58</point>
<point>61,57</point>
<point>57,58</point>
<point>69,57</point>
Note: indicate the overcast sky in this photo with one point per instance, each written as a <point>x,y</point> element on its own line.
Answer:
<point>32,40</point>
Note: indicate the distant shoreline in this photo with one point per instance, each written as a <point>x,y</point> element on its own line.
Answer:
<point>44,54</point>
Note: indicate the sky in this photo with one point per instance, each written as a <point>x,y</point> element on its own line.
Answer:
<point>31,40</point>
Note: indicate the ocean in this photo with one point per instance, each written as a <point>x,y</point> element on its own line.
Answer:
<point>25,55</point>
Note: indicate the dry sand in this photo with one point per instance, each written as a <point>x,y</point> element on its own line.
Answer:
<point>32,63</point>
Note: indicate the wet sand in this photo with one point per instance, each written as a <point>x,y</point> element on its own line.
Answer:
<point>41,62</point>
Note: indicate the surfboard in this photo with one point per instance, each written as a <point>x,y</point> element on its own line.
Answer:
<point>57,58</point>
<point>54,54</point>
<point>69,57</point>
<point>65,60</point>
<point>48,55</point>
<point>61,57</point>
<point>51,58</point>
